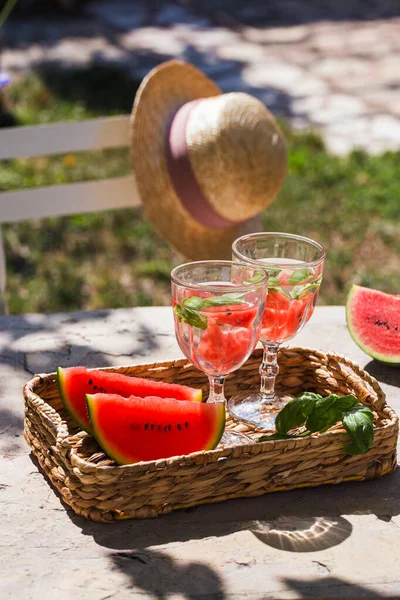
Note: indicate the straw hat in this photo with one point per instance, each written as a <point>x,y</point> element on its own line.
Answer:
<point>206,163</point>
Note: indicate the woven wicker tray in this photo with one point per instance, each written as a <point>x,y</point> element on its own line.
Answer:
<point>95,487</point>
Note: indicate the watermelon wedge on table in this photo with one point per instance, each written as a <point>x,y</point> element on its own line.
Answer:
<point>75,382</point>
<point>140,429</point>
<point>373,320</point>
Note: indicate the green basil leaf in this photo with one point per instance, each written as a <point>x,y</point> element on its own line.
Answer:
<point>296,412</point>
<point>274,282</point>
<point>299,277</point>
<point>234,298</point>
<point>194,302</point>
<point>328,411</point>
<point>359,424</point>
<point>190,316</point>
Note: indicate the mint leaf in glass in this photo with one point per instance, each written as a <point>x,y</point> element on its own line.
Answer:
<point>299,277</point>
<point>193,302</point>
<point>189,309</point>
<point>299,291</point>
<point>190,316</point>
<point>254,279</point>
<point>274,282</point>
<point>233,298</point>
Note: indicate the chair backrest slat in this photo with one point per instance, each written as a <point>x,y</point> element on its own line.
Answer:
<point>63,199</point>
<point>59,138</point>
<point>68,199</point>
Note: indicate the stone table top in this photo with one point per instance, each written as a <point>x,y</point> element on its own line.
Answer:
<point>331,541</point>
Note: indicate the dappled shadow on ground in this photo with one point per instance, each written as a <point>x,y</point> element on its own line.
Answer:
<point>127,36</point>
<point>297,516</point>
<point>255,13</point>
<point>32,344</point>
<point>292,522</point>
<point>104,89</point>
<point>11,427</point>
<point>158,574</point>
<point>258,13</point>
<point>51,344</point>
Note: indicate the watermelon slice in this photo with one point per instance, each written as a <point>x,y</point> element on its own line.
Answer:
<point>140,429</point>
<point>75,382</point>
<point>373,320</point>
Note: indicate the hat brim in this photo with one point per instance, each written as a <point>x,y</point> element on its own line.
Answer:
<point>165,89</point>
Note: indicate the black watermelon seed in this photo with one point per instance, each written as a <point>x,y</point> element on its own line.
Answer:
<point>186,424</point>
<point>179,426</point>
<point>169,427</point>
<point>146,426</point>
<point>228,314</point>
<point>90,381</point>
<point>95,387</point>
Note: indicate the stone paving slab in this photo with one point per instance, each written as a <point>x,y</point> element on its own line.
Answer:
<point>331,66</point>
<point>338,541</point>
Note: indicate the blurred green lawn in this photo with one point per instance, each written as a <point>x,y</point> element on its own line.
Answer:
<point>115,259</point>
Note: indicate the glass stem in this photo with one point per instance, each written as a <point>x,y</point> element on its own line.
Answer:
<point>269,370</point>
<point>216,389</point>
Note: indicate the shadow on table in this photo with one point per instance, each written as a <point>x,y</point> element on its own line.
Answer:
<point>328,587</point>
<point>306,520</point>
<point>389,374</point>
<point>290,521</point>
<point>76,346</point>
<point>158,574</point>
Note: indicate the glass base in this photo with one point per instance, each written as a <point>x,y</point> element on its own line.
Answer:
<point>256,409</point>
<point>233,438</point>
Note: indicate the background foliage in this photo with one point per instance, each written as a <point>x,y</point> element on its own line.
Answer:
<point>115,259</point>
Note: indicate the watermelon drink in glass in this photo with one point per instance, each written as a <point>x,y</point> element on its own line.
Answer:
<point>218,308</point>
<point>295,266</point>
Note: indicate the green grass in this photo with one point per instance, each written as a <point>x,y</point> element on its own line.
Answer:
<point>115,259</point>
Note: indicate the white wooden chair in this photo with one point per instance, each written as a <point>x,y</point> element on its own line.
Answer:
<point>63,199</point>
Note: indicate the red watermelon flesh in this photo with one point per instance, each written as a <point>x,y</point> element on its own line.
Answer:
<point>283,316</point>
<point>228,340</point>
<point>141,429</point>
<point>75,382</point>
<point>373,320</point>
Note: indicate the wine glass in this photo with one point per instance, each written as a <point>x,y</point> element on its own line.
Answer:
<point>218,307</point>
<point>295,266</point>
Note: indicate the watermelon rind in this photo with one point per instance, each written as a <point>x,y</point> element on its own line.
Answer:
<point>119,458</point>
<point>68,406</point>
<point>367,348</point>
<point>95,433</point>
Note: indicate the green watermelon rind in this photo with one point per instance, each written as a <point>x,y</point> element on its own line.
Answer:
<point>109,451</point>
<point>393,360</point>
<point>67,405</point>
<point>121,460</point>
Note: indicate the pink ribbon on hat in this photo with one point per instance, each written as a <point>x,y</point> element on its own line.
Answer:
<point>182,176</point>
